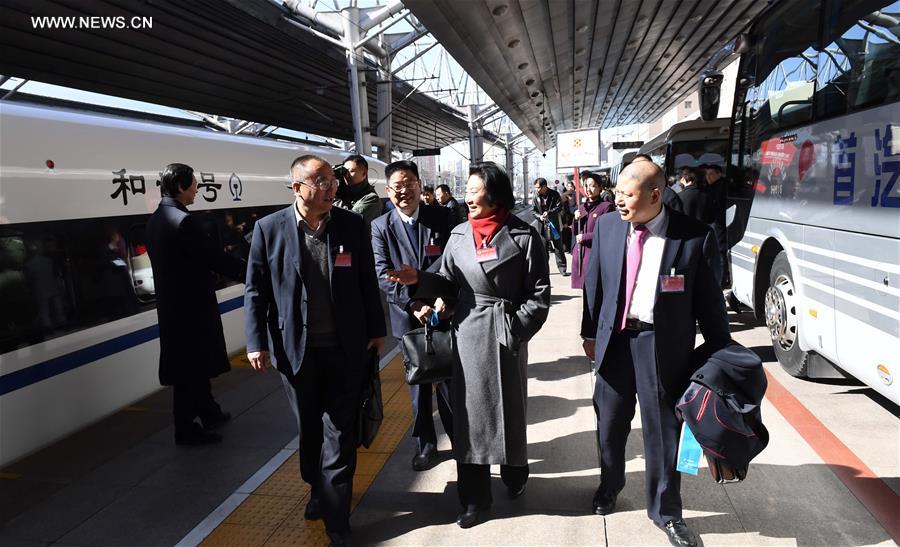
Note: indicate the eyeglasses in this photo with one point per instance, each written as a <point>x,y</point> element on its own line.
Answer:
<point>320,184</point>
<point>405,186</point>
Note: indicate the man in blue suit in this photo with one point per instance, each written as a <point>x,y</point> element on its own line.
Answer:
<point>653,276</point>
<point>312,310</point>
<point>415,234</point>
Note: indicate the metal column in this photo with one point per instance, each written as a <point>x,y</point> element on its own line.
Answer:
<point>525,181</point>
<point>384,131</point>
<point>359,103</point>
<point>476,137</point>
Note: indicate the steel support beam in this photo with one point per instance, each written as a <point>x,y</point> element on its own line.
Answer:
<point>359,103</point>
<point>476,137</point>
<point>384,131</point>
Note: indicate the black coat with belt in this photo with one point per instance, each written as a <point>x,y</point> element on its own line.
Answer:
<point>183,258</point>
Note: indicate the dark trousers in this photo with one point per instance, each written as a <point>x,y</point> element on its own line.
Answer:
<point>423,432</point>
<point>325,395</point>
<point>192,400</point>
<point>629,369</point>
<point>473,482</point>
<point>557,247</point>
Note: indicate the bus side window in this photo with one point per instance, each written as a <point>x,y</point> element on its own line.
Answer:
<point>785,80</point>
<point>860,66</point>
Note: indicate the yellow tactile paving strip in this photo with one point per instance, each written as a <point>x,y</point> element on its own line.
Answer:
<point>273,513</point>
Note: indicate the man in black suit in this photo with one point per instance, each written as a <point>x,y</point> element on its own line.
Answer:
<point>546,208</point>
<point>415,234</point>
<point>653,276</point>
<point>313,310</point>
<point>191,341</point>
<point>458,211</point>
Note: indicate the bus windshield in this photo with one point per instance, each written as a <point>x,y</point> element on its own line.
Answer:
<point>695,153</point>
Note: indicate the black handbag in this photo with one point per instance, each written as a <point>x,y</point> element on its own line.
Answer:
<point>371,407</point>
<point>429,354</point>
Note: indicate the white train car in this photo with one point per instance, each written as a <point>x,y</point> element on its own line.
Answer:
<point>78,329</point>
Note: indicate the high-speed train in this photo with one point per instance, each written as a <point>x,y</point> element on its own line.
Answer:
<point>78,328</point>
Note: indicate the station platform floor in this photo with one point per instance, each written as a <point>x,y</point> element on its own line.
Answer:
<point>830,475</point>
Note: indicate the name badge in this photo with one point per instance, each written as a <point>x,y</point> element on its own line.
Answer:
<point>432,250</point>
<point>343,260</point>
<point>671,282</point>
<point>486,254</point>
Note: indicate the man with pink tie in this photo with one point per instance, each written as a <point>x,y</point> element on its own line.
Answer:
<point>653,275</point>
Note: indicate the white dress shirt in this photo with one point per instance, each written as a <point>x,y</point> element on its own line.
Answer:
<point>409,219</point>
<point>644,296</point>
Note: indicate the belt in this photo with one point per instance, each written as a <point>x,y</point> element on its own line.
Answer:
<point>499,309</point>
<point>637,325</point>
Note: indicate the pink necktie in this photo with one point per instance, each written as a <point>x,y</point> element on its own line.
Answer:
<point>632,263</point>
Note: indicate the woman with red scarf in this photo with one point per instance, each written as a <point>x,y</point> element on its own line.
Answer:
<point>495,268</point>
<point>586,216</point>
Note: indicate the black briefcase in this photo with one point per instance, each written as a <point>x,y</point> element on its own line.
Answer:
<point>429,354</point>
<point>371,406</point>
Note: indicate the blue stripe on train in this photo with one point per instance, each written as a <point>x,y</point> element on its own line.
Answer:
<point>64,363</point>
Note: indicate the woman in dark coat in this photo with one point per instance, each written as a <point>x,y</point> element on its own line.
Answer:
<point>586,216</point>
<point>495,267</point>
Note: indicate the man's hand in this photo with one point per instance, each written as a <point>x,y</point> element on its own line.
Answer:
<point>577,214</point>
<point>406,275</point>
<point>421,311</point>
<point>544,217</point>
<point>589,348</point>
<point>578,238</point>
<point>377,343</point>
<point>259,360</point>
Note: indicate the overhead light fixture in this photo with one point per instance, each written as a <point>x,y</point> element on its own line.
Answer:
<point>513,43</point>
<point>500,10</point>
<point>579,68</point>
<point>523,66</point>
<point>539,103</point>
<point>529,81</point>
<point>581,28</point>
<point>535,94</point>
<point>580,51</point>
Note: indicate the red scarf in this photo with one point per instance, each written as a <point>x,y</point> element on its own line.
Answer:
<point>484,228</point>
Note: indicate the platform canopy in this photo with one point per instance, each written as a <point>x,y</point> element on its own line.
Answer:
<point>238,58</point>
<point>555,65</point>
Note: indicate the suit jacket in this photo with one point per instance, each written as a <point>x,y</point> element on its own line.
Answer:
<point>392,247</point>
<point>722,404</point>
<point>552,208</point>
<point>459,211</point>
<point>690,249</point>
<point>275,298</point>
<point>696,204</point>
<point>672,200</point>
<point>183,257</point>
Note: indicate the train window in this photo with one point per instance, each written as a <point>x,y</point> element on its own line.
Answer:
<point>860,66</point>
<point>785,80</point>
<point>139,260</point>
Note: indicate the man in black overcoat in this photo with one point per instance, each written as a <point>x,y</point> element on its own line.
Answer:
<point>546,208</point>
<point>192,344</point>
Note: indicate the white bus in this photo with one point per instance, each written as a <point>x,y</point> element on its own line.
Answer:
<point>815,144</point>
<point>78,330</point>
<point>689,144</point>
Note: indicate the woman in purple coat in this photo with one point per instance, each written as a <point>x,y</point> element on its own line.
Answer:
<point>585,217</point>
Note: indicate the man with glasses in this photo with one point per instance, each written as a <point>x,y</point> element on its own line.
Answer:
<point>358,195</point>
<point>311,266</point>
<point>412,233</point>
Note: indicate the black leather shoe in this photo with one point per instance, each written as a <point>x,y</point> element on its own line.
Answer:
<point>679,534</point>
<point>196,436</point>
<point>216,421</point>
<point>312,512</point>
<point>565,274</point>
<point>424,459</point>
<point>340,539</point>
<point>514,493</point>
<point>604,502</point>
<point>472,516</point>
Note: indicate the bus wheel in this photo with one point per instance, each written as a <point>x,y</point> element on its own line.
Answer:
<point>782,318</point>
